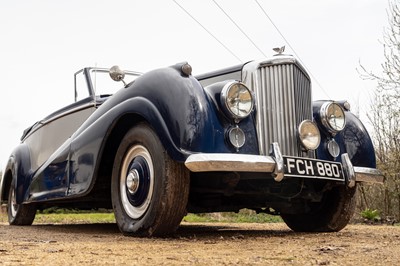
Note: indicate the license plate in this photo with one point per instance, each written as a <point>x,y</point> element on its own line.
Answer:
<point>310,168</point>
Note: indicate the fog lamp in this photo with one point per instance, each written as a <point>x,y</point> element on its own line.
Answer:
<point>309,135</point>
<point>333,148</point>
<point>236,137</point>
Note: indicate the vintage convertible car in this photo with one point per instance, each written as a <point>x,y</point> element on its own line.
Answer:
<point>168,143</point>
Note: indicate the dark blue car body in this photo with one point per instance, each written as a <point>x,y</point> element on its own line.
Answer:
<point>69,158</point>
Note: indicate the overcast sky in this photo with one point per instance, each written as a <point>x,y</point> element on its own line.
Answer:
<point>44,42</point>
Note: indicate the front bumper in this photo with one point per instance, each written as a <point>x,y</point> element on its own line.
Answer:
<point>272,164</point>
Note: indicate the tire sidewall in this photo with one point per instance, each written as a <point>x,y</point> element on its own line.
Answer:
<point>19,214</point>
<point>139,135</point>
<point>331,215</point>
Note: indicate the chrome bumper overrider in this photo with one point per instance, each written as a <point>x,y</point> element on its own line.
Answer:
<point>273,164</point>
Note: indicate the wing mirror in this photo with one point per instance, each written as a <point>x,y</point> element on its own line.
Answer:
<point>117,74</point>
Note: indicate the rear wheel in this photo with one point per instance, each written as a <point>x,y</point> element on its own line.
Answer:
<point>19,214</point>
<point>149,189</point>
<point>330,215</point>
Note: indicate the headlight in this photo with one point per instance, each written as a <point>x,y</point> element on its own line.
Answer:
<point>309,135</point>
<point>332,117</point>
<point>236,100</point>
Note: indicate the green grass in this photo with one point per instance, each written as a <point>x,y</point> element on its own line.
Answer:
<point>72,218</point>
<point>370,215</point>
<point>68,217</point>
<point>244,216</point>
<point>3,218</point>
<point>62,216</point>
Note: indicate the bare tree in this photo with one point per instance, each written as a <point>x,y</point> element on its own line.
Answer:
<point>390,77</point>
<point>385,119</point>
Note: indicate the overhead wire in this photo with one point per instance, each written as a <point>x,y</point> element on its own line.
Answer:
<point>291,47</point>
<point>210,33</point>
<point>247,36</point>
<point>239,28</point>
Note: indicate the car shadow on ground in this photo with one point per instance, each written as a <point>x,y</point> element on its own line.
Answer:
<point>232,231</point>
<point>185,231</point>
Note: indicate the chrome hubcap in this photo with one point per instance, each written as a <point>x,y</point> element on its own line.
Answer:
<point>133,181</point>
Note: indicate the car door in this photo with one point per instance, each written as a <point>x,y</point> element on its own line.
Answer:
<point>49,143</point>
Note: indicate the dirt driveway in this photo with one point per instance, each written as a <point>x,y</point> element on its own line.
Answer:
<point>199,244</point>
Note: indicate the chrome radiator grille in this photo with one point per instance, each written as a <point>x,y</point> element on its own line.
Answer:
<point>283,94</point>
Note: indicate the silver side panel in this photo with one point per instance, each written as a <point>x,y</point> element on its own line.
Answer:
<point>283,100</point>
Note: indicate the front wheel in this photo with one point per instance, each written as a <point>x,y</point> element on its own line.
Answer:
<point>332,214</point>
<point>19,214</point>
<point>149,190</point>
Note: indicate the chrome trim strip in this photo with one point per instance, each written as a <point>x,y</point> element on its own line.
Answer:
<point>370,175</point>
<point>67,112</point>
<point>226,162</point>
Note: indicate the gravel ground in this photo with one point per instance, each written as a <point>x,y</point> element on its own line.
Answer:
<point>199,244</point>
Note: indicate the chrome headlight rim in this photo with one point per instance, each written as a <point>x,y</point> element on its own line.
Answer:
<point>304,135</point>
<point>228,102</point>
<point>327,111</point>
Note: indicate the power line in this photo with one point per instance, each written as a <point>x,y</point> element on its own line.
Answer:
<point>244,33</point>
<point>237,26</point>
<point>212,35</point>
<point>283,37</point>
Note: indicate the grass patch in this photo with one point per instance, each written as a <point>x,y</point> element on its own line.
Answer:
<point>63,216</point>
<point>74,218</point>
<point>244,216</point>
<point>370,215</point>
<point>68,216</point>
<point>3,217</point>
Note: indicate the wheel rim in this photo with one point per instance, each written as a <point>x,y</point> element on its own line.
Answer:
<point>136,181</point>
<point>13,206</point>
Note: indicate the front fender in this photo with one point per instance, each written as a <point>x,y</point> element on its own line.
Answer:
<point>353,140</point>
<point>176,106</point>
<point>357,142</point>
<point>19,168</point>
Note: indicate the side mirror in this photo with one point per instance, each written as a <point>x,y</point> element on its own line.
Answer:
<point>117,74</point>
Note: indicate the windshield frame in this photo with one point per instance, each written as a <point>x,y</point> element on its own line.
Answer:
<point>91,75</point>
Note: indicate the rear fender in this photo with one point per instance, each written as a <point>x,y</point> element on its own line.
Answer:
<point>18,168</point>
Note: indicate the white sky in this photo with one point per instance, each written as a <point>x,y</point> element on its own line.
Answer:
<point>44,42</point>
